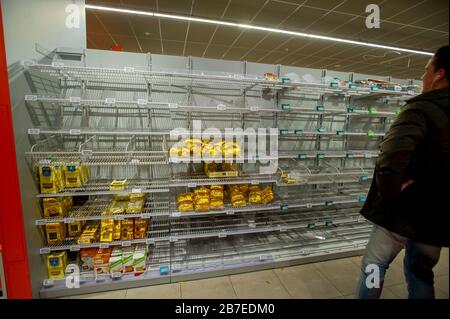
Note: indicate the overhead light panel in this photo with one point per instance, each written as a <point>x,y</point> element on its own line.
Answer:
<point>253,27</point>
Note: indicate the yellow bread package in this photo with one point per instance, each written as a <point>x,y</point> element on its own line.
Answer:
<point>54,207</point>
<point>89,235</point>
<point>216,204</point>
<point>116,230</point>
<point>254,188</point>
<point>244,188</point>
<point>136,197</point>
<point>267,195</point>
<point>73,175</point>
<point>202,208</point>
<point>202,200</point>
<point>119,185</point>
<point>50,179</point>
<point>140,228</point>
<point>185,197</point>
<point>217,194</point>
<point>201,191</point>
<point>239,203</point>
<point>127,229</point>
<point>254,197</point>
<point>55,233</point>
<point>118,207</point>
<point>186,206</point>
<point>237,196</point>
<point>216,187</point>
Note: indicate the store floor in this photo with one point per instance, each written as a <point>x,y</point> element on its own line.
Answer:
<point>329,279</point>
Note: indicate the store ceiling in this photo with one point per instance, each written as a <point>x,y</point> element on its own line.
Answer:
<point>420,25</point>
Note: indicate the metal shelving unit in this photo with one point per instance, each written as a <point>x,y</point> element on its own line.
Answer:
<point>119,122</point>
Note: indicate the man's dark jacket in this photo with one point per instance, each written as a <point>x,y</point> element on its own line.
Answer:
<point>416,147</point>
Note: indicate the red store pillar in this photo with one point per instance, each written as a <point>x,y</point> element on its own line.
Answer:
<point>12,236</point>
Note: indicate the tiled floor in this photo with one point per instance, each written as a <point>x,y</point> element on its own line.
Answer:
<point>329,279</point>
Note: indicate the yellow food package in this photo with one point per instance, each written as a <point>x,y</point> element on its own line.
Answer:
<point>216,194</point>
<point>56,265</point>
<point>253,188</point>
<point>185,197</point>
<point>89,235</point>
<point>72,175</point>
<point>74,229</point>
<point>201,208</point>
<point>202,200</point>
<point>216,187</point>
<point>118,207</point>
<point>216,204</point>
<point>244,188</point>
<point>118,185</point>
<point>50,179</point>
<point>254,197</point>
<point>201,191</point>
<point>116,230</point>
<point>85,174</point>
<point>55,233</point>
<point>106,230</point>
<point>140,228</point>
<point>135,207</point>
<point>54,207</point>
<point>127,229</point>
<point>193,143</point>
<point>267,195</point>
<point>137,197</point>
<point>239,203</point>
<point>186,206</point>
<point>238,196</point>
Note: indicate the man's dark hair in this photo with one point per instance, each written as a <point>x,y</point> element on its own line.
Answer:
<point>440,60</point>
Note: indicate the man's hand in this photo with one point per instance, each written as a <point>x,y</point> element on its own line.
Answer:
<point>406,184</point>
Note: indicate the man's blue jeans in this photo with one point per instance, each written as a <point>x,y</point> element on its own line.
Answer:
<point>381,250</point>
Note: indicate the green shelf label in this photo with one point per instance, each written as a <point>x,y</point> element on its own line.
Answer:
<point>350,110</point>
<point>298,132</point>
<point>283,131</point>
<point>339,133</point>
<point>328,223</point>
<point>373,88</point>
<point>397,111</point>
<point>352,86</point>
<point>334,84</point>
<point>364,178</point>
<point>328,203</point>
<point>285,80</point>
<point>370,133</point>
<point>349,155</point>
<point>284,207</point>
<point>285,106</point>
<point>372,110</point>
<point>321,130</point>
<point>311,225</point>
<point>302,156</point>
<point>320,108</point>
<point>320,156</point>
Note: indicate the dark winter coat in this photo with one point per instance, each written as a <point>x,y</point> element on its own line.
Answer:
<point>415,147</point>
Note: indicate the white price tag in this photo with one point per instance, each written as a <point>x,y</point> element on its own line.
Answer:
<point>172,105</point>
<point>28,63</point>
<point>75,248</point>
<point>264,257</point>
<point>87,152</point>
<point>110,100</point>
<point>116,275</point>
<point>49,282</point>
<point>128,69</point>
<point>142,102</point>
<point>44,251</point>
<point>192,185</point>
<point>126,243</point>
<point>45,162</point>
<point>309,205</point>
<point>74,131</point>
<point>104,246</point>
<point>135,161</point>
<point>40,222</point>
<point>173,238</point>
<point>30,97</point>
<point>254,108</point>
<point>34,131</point>
<point>367,155</point>
<point>75,99</point>
<point>150,241</point>
<point>230,212</point>
<point>119,217</point>
<point>136,190</point>
<point>254,182</point>
<point>176,214</point>
<point>69,220</point>
<point>145,215</point>
<point>283,228</point>
<point>410,92</point>
<point>222,235</point>
<point>221,107</point>
<point>252,225</point>
<point>57,64</point>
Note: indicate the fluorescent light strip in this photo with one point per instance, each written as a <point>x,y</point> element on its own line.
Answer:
<point>254,27</point>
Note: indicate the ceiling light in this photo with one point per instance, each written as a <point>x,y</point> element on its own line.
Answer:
<point>254,27</point>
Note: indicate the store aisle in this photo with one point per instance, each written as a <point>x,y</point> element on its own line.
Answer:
<point>329,279</point>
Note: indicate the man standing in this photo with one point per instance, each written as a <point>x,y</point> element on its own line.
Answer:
<point>408,198</point>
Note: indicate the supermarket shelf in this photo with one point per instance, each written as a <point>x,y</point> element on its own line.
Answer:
<point>336,111</point>
<point>327,154</point>
<point>101,187</point>
<point>140,77</point>
<point>323,132</point>
<point>266,251</point>
<point>195,180</point>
